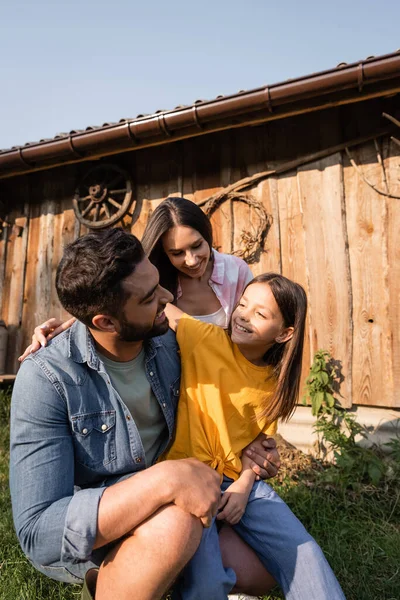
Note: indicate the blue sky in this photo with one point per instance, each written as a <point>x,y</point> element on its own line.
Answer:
<point>68,64</point>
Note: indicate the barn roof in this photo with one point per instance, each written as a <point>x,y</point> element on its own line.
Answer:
<point>346,83</point>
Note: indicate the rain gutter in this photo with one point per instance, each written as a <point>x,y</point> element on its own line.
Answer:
<point>373,77</point>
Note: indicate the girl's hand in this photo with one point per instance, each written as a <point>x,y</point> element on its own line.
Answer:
<point>44,333</point>
<point>233,502</point>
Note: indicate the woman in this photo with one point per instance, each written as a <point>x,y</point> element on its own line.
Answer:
<point>205,283</point>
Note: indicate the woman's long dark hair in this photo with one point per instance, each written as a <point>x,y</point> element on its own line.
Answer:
<point>170,213</point>
<point>286,357</point>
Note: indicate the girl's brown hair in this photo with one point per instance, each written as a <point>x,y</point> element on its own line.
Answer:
<point>286,357</point>
<point>170,213</point>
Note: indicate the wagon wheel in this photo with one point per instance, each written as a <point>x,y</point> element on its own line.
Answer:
<point>103,196</point>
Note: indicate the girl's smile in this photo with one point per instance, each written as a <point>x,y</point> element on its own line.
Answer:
<point>242,328</point>
<point>257,321</point>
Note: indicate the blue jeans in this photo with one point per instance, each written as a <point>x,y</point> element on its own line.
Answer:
<point>281,542</point>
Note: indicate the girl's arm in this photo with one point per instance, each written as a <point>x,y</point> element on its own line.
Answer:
<point>233,502</point>
<point>173,315</point>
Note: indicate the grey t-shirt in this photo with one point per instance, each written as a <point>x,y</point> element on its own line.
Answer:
<point>130,381</point>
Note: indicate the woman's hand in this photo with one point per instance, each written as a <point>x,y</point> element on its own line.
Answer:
<point>173,315</point>
<point>44,333</point>
<point>262,457</point>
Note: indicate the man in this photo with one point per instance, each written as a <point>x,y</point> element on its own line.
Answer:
<point>94,408</point>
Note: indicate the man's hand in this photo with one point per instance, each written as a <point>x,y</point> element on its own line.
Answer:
<point>195,488</point>
<point>262,457</point>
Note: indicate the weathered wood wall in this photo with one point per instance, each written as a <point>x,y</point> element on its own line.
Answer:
<point>331,232</point>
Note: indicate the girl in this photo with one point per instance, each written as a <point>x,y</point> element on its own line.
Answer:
<point>234,385</point>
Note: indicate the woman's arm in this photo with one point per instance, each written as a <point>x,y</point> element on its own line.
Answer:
<point>44,333</point>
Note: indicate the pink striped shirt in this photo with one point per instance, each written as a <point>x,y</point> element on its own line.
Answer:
<point>229,277</point>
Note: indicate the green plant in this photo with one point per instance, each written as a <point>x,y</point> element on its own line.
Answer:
<point>394,445</point>
<point>320,383</point>
<point>5,403</point>
<point>338,431</point>
<point>354,463</point>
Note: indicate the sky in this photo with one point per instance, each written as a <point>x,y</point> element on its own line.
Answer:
<point>67,64</point>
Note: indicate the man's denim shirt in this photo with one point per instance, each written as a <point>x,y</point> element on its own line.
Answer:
<point>72,436</point>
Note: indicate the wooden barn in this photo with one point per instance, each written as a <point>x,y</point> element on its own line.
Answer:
<point>300,177</point>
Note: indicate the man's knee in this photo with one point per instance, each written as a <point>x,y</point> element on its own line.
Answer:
<point>173,529</point>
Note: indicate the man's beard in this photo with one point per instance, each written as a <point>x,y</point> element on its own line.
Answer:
<point>137,333</point>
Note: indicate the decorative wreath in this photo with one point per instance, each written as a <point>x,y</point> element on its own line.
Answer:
<point>252,242</point>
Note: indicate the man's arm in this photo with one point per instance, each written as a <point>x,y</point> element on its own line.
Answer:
<point>188,483</point>
<point>51,519</point>
<point>264,455</point>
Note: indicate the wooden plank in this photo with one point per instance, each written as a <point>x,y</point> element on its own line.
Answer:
<point>247,159</point>
<point>64,234</point>
<point>367,222</point>
<point>29,318</point>
<point>207,169</point>
<point>3,260</point>
<point>267,194</point>
<point>321,196</point>
<point>223,218</point>
<point>142,183</point>
<point>392,168</point>
<point>242,224</point>
<point>59,228</point>
<point>53,226</point>
<point>201,161</point>
<point>7,378</point>
<point>18,239</point>
<point>251,152</point>
<point>157,174</point>
<point>8,266</point>
<point>293,248</point>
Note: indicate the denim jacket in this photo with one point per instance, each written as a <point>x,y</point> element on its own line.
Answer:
<point>72,436</point>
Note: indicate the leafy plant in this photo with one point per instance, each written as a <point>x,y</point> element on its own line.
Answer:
<point>320,383</point>
<point>354,463</point>
<point>338,431</point>
<point>394,445</point>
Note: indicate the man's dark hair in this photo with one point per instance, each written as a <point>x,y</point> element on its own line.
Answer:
<point>90,275</point>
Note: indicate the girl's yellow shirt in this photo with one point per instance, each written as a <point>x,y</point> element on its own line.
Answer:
<point>221,395</point>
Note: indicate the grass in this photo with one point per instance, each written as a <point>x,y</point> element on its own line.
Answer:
<point>359,532</point>
<point>18,579</point>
